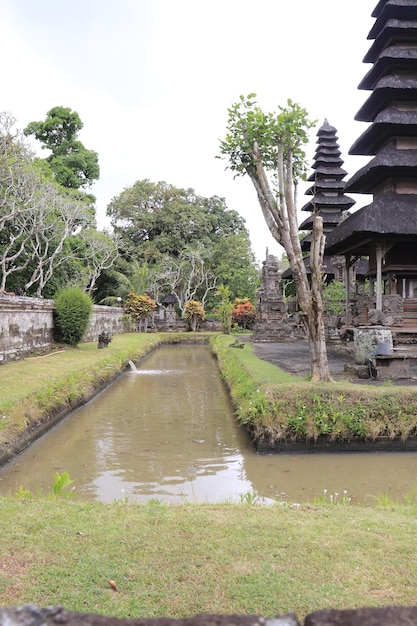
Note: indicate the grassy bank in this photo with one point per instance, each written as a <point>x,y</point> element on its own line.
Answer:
<point>279,408</point>
<point>182,560</point>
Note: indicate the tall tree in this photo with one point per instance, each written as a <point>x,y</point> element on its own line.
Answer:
<point>153,220</point>
<point>235,266</point>
<point>268,148</point>
<point>158,224</point>
<point>72,164</point>
<point>189,277</point>
<point>43,228</point>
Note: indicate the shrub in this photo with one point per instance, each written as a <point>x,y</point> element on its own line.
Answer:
<point>194,314</point>
<point>243,313</point>
<point>72,311</point>
<point>225,308</point>
<point>334,296</point>
<point>139,307</point>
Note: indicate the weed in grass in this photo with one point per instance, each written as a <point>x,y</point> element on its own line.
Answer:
<point>332,498</point>
<point>384,499</point>
<point>61,482</point>
<point>155,502</point>
<point>24,494</point>
<point>250,498</point>
<point>410,498</point>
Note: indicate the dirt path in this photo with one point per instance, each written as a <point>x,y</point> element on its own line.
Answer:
<point>293,357</point>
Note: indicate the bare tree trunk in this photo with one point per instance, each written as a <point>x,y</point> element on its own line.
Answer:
<point>281,218</point>
<point>318,352</point>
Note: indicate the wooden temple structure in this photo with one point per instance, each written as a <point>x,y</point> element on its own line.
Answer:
<point>385,231</point>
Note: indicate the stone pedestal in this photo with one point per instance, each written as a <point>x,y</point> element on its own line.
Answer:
<point>366,340</point>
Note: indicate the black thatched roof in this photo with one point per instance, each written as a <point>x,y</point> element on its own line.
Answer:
<point>331,220</point>
<point>335,172</point>
<point>171,298</point>
<point>391,137</point>
<point>328,142</point>
<point>328,268</point>
<point>388,163</point>
<point>326,159</point>
<point>394,31</point>
<point>338,203</point>
<point>387,123</point>
<point>327,151</point>
<point>327,192</point>
<point>392,58</point>
<point>325,130</point>
<point>389,88</point>
<point>386,8</point>
<point>390,215</point>
<point>322,184</point>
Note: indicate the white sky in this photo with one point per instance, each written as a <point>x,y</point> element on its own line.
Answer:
<point>152,81</point>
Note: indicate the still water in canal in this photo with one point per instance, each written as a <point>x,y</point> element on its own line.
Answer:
<point>167,432</point>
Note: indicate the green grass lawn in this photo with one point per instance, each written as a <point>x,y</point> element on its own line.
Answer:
<point>21,378</point>
<point>181,560</point>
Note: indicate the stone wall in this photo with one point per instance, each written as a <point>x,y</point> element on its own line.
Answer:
<point>27,324</point>
<point>363,306</point>
<point>31,615</point>
<point>107,319</point>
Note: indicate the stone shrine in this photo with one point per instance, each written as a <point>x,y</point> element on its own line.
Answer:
<point>271,323</point>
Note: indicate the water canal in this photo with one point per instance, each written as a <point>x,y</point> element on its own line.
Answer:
<point>167,432</point>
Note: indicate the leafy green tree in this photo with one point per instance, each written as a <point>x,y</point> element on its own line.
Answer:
<point>159,224</point>
<point>123,278</point>
<point>85,256</point>
<point>189,277</point>
<point>153,220</point>
<point>72,164</point>
<point>334,296</point>
<point>37,217</point>
<point>268,147</point>
<point>235,266</point>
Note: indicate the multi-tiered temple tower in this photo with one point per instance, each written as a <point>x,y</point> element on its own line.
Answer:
<point>386,229</point>
<point>328,188</point>
<point>328,198</point>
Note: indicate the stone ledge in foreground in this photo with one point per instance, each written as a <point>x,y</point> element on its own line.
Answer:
<point>30,615</point>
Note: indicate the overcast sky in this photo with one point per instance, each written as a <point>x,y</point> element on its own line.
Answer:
<point>152,81</point>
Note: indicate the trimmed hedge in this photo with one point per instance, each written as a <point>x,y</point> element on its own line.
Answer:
<point>72,311</point>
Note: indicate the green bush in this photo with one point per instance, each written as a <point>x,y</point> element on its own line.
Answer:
<point>72,311</point>
<point>334,296</point>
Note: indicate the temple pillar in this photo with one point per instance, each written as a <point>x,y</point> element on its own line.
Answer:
<point>379,254</point>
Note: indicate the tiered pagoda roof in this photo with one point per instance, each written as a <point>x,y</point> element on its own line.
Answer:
<point>391,138</point>
<point>327,191</point>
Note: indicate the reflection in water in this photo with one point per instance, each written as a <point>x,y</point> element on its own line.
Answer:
<point>167,431</point>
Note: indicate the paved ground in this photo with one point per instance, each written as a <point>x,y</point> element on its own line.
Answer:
<point>294,358</point>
